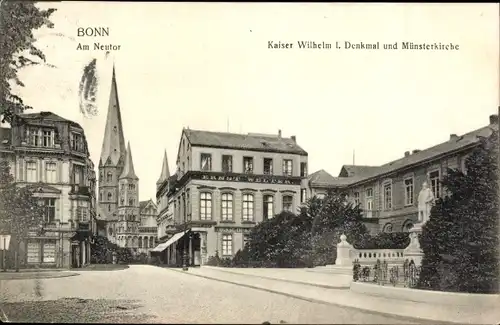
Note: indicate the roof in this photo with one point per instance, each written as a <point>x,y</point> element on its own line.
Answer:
<point>255,142</point>
<point>113,143</point>
<point>355,170</point>
<point>143,204</point>
<point>45,115</point>
<point>165,172</point>
<point>322,178</point>
<point>128,168</point>
<point>456,143</point>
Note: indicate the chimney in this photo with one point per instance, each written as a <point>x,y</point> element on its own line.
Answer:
<point>416,151</point>
<point>407,153</point>
<point>279,133</point>
<point>453,136</point>
<point>294,138</point>
<point>494,119</point>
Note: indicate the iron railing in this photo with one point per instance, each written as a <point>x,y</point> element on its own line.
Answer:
<point>382,273</point>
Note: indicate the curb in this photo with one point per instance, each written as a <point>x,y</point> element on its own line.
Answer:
<point>317,301</point>
<point>42,277</point>
<point>325,286</point>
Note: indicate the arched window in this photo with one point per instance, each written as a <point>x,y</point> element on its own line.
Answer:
<point>122,201</point>
<point>388,228</point>
<point>109,177</point>
<point>206,206</point>
<point>227,207</point>
<point>287,203</point>
<point>145,242</point>
<point>151,242</point>
<point>110,196</point>
<point>407,226</point>
<point>131,202</point>
<point>268,206</point>
<point>247,207</point>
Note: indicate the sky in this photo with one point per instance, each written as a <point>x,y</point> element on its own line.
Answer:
<point>208,66</point>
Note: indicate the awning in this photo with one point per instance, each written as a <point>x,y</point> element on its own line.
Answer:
<point>161,247</point>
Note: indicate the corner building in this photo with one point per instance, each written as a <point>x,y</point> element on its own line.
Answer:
<point>225,184</point>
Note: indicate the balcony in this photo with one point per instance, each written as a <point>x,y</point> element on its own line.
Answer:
<point>79,190</point>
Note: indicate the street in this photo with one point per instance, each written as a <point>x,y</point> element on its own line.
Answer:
<point>148,294</point>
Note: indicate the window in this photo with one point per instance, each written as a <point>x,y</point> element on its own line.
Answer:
<point>247,164</point>
<point>287,167</point>
<point>33,252</point>
<point>227,245</point>
<point>188,203</point>
<point>388,196</point>
<point>50,172</point>
<point>205,206</point>
<point>131,187</point>
<point>409,191</point>
<point>82,213</point>
<point>206,162</point>
<point>122,201</point>
<point>369,199</point>
<point>140,242</point>
<point>48,137</point>
<point>303,195</point>
<point>183,167</point>
<point>227,163</point>
<point>109,177</point>
<point>49,251</point>
<point>356,198</point>
<point>100,196</point>
<point>247,207</point>
<point>76,142</point>
<point>268,166</point>
<point>31,172</point>
<point>78,175</point>
<point>435,185</point>
<point>246,239</point>
<point>131,202</point>
<point>268,206</point>
<point>287,203</point>
<point>303,169</point>
<point>187,165</point>
<point>34,137</point>
<point>109,206</point>
<point>50,210</point>
<point>227,207</point>
<point>110,196</point>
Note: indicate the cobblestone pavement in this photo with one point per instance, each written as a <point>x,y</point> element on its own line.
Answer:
<point>148,294</point>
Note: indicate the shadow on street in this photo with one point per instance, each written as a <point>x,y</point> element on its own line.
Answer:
<point>77,310</point>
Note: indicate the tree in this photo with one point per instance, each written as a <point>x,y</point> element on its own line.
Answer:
<point>19,208</point>
<point>460,240</point>
<point>17,49</point>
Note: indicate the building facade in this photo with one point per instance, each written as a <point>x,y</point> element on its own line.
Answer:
<point>224,185</point>
<point>119,206</point>
<point>148,229</point>
<point>388,193</point>
<point>50,154</point>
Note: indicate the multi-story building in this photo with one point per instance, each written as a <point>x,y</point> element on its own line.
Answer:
<point>225,184</point>
<point>388,193</point>
<point>50,154</point>
<point>148,230</point>
<point>119,206</point>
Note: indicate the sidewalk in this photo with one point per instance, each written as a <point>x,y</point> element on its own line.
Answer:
<point>421,312</point>
<point>299,276</point>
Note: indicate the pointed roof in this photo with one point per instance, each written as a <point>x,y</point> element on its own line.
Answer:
<point>113,144</point>
<point>128,168</point>
<point>165,172</point>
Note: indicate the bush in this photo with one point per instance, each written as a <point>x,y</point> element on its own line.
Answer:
<point>394,240</point>
<point>460,241</point>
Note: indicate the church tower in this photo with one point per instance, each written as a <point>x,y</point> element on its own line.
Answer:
<point>112,154</point>
<point>128,205</point>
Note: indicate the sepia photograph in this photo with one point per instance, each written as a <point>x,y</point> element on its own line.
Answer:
<point>249,163</point>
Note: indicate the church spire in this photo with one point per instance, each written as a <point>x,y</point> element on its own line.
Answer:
<point>128,168</point>
<point>165,173</point>
<point>113,144</point>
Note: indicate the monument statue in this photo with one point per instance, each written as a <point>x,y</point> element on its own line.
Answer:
<point>425,201</point>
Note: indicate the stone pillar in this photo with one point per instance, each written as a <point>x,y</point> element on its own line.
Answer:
<point>413,251</point>
<point>203,247</point>
<point>343,252</point>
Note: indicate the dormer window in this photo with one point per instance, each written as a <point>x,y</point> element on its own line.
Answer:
<point>76,141</point>
<point>248,164</point>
